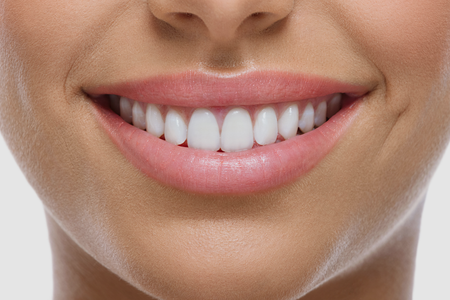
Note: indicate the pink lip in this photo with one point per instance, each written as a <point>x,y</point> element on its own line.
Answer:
<point>195,89</point>
<point>207,172</point>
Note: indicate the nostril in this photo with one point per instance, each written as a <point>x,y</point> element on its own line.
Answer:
<point>186,15</point>
<point>186,20</point>
<point>257,15</point>
<point>221,20</point>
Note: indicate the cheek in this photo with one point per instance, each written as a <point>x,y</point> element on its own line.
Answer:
<point>41,42</point>
<point>51,34</point>
<point>407,42</point>
<point>400,34</point>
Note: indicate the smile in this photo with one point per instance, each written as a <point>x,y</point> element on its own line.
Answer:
<point>238,135</point>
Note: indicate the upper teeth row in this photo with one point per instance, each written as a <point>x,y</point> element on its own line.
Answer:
<point>237,131</point>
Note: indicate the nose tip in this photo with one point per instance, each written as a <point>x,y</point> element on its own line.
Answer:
<point>220,20</point>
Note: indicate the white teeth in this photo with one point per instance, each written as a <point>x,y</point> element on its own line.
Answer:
<point>155,122</point>
<point>175,129</point>
<point>115,103</point>
<point>306,122</point>
<point>320,115</point>
<point>138,116</point>
<point>237,131</point>
<point>288,122</point>
<point>266,127</point>
<point>125,109</point>
<point>203,131</point>
<point>334,105</point>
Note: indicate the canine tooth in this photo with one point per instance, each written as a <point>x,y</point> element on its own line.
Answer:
<point>288,122</point>
<point>138,116</point>
<point>266,126</point>
<point>175,128</point>
<point>203,131</point>
<point>334,105</point>
<point>237,131</point>
<point>155,122</point>
<point>306,122</point>
<point>125,109</point>
<point>320,115</point>
<point>114,103</point>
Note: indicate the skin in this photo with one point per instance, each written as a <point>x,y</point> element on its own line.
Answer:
<point>348,229</point>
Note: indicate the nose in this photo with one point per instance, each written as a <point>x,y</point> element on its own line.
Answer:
<point>220,20</point>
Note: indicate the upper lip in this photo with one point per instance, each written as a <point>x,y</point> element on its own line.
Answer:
<point>200,89</point>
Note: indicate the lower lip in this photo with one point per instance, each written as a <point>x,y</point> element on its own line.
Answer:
<point>206,172</point>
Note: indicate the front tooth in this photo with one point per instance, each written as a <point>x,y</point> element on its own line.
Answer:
<point>334,105</point>
<point>138,116</point>
<point>175,128</point>
<point>237,131</point>
<point>203,131</point>
<point>288,122</point>
<point>125,109</point>
<point>306,122</point>
<point>155,122</point>
<point>320,115</point>
<point>266,127</point>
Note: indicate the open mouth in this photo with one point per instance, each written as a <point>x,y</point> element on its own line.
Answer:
<point>228,129</point>
<point>212,135</point>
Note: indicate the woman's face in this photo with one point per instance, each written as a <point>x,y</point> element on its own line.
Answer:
<point>184,223</point>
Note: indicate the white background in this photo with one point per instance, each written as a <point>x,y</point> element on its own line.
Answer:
<point>25,260</point>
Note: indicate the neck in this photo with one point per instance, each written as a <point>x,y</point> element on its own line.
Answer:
<point>388,273</point>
